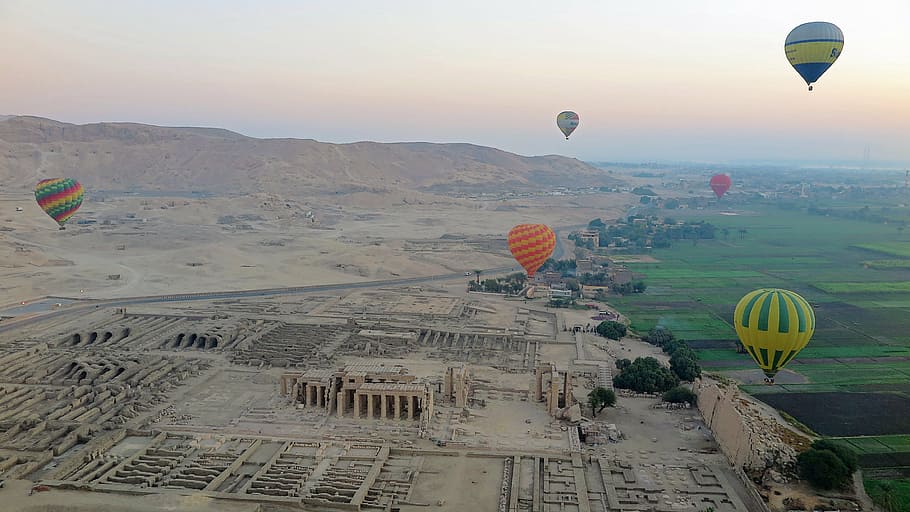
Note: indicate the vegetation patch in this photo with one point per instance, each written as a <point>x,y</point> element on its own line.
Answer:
<point>887,264</point>
<point>891,495</point>
<point>864,287</point>
<point>900,249</point>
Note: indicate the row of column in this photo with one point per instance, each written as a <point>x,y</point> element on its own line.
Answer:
<point>382,402</point>
<point>314,395</point>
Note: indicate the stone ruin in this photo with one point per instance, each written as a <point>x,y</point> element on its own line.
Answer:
<point>750,437</point>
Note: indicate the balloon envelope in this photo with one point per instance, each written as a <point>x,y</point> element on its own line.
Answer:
<point>59,197</point>
<point>531,244</point>
<point>812,47</point>
<point>567,122</point>
<point>720,183</point>
<point>773,325</point>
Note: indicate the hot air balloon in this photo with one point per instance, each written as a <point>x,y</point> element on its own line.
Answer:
<point>531,244</point>
<point>812,47</point>
<point>59,198</point>
<point>720,183</point>
<point>773,325</point>
<point>567,122</point>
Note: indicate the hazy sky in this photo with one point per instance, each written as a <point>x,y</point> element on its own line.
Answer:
<point>659,80</point>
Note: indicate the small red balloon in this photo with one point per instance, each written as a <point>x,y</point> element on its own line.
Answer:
<point>720,183</point>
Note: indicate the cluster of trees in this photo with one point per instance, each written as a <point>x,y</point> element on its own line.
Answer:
<point>602,279</point>
<point>827,465</point>
<point>639,230</point>
<point>559,302</point>
<point>644,375</point>
<point>680,394</point>
<point>862,214</point>
<point>627,288</point>
<point>647,375</point>
<point>600,398</point>
<point>683,360</point>
<point>564,267</point>
<point>511,284</point>
<point>611,329</point>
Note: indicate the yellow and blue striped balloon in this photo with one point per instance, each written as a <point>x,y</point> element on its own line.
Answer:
<point>812,47</point>
<point>773,325</point>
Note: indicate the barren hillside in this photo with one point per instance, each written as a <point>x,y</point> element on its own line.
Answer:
<point>127,156</point>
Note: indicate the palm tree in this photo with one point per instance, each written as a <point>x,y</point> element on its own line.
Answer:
<point>477,273</point>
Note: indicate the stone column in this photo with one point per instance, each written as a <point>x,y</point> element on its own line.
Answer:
<point>370,406</point>
<point>307,396</point>
<point>448,382</point>
<point>412,406</point>
<point>553,395</point>
<point>538,381</point>
<point>320,396</point>
<point>383,402</point>
<point>284,385</point>
<point>397,406</point>
<point>340,401</point>
<point>356,405</point>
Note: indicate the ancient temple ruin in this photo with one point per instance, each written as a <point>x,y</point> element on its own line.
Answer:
<point>367,391</point>
<point>553,385</point>
<point>457,385</point>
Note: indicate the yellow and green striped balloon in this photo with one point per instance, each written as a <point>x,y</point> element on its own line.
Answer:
<point>773,325</point>
<point>812,47</point>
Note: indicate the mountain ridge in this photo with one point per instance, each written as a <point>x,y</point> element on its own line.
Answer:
<point>123,156</point>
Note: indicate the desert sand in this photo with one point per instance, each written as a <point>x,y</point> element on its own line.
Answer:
<point>206,405</point>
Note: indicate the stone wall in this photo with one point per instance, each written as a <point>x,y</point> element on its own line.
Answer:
<point>750,437</point>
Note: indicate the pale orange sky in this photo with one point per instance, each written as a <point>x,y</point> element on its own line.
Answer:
<point>663,80</point>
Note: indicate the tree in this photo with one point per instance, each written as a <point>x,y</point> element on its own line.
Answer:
<point>646,375</point>
<point>671,204</point>
<point>823,469</point>
<point>684,366</point>
<point>492,286</point>
<point>844,453</point>
<point>477,273</point>
<point>669,347</point>
<point>659,335</point>
<point>611,329</point>
<point>639,287</point>
<point>680,394</point>
<point>622,364</point>
<point>601,397</point>
<point>742,233</point>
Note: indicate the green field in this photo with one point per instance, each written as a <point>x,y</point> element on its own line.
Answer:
<point>887,264</point>
<point>862,306</point>
<point>892,495</point>
<point>877,444</point>
<point>901,249</point>
<point>864,287</point>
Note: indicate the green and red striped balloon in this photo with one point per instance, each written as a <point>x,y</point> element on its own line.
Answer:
<point>59,198</point>
<point>531,244</point>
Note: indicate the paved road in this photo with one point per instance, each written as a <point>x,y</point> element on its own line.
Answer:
<point>77,305</point>
<point>83,305</point>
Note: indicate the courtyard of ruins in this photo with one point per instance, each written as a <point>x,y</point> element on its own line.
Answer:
<point>403,398</point>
